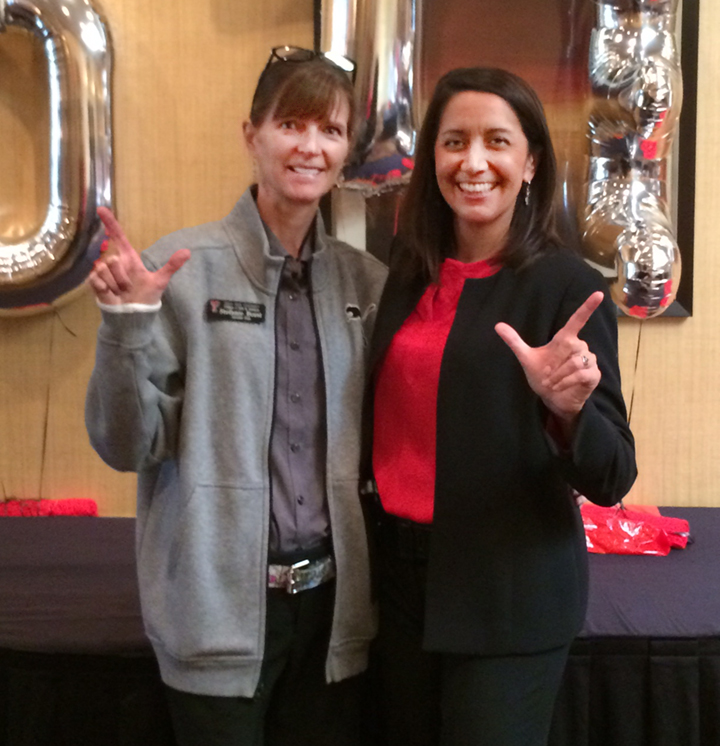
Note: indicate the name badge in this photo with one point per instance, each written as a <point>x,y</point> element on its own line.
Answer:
<point>235,310</point>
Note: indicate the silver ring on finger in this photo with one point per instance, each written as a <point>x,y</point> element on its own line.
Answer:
<point>585,361</point>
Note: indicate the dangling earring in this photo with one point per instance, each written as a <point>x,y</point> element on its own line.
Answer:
<point>526,184</point>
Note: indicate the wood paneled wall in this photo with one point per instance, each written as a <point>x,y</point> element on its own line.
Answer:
<point>184,75</point>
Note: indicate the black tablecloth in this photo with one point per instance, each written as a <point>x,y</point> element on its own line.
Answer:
<point>645,670</point>
<point>68,585</point>
<point>666,597</point>
<point>76,668</point>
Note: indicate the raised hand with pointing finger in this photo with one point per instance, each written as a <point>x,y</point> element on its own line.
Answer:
<point>121,277</point>
<point>564,372</point>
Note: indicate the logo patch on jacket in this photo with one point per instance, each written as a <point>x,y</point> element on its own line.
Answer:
<point>235,310</point>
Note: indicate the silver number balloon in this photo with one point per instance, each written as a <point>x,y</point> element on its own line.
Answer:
<point>59,256</point>
<point>637,88</point>
<point>382,36</point>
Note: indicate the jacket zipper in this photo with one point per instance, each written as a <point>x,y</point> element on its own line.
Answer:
<point>272,416</point>
<point>324,388</point>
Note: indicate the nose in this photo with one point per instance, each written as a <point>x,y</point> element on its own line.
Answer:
<point>310,140</point>
<point>476,159</point>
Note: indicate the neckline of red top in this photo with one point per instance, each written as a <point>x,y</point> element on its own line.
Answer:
<point>454,268</point>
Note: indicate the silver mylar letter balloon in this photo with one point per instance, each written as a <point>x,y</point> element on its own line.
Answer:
<point>382,36</point>
<point>637,87</point>
<point>59,256</point>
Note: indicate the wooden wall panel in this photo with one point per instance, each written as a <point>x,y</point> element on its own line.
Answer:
<point>24,394</point>
<point>184,74</point>
<point>24,122</point>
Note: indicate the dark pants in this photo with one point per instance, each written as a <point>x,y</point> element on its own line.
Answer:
<point>431,699</point>
<point>293,705</point>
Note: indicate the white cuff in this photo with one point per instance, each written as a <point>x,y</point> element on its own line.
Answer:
<point>130,307</point>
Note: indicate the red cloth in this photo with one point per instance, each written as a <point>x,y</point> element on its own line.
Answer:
<point>405,415</point>
<point>617,530</point>
<point>70,506</point>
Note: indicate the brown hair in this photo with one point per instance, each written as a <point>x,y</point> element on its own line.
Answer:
<point>426,227</point>
<point>308,90</point>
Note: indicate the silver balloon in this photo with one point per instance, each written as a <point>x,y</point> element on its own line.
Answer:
<point>59,256</point>
<point>629,236</point>
<point>382,36</point>
<point>637,86</point>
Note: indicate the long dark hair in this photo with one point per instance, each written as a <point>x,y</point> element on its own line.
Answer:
<point>308,90</point>
<point>426,229</point>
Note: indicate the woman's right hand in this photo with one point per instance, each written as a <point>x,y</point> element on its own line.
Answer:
<point>120,276</point>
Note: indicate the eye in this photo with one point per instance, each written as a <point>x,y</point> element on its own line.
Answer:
<point>453,143</point>
<point>288,124</point>
<point>334,130</point>
<point>499,141</point>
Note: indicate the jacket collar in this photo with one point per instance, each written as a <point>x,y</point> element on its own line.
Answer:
<point>252,249</point>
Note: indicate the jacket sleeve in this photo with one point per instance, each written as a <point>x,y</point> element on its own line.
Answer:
<point>600,463</point>
<point>135,394</point>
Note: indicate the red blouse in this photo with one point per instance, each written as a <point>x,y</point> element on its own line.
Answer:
<point>406,396</point>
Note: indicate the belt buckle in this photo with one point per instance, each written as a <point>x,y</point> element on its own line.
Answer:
<point>292,580</point>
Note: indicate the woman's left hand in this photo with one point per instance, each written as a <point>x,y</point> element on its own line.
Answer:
<point>563,373</point>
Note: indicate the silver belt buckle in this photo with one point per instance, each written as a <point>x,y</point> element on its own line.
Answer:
<point>292,578</point>
<point>302,575</point>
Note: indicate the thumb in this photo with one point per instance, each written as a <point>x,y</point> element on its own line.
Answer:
<point>513,340</point>
<point>173,264</point>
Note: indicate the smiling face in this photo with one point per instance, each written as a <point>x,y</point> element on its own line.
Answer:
<point>297,159</point>
<point>481,160</point>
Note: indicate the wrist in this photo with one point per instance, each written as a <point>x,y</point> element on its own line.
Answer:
<point>561,428</point>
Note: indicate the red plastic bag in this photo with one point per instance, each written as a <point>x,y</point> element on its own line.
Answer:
<point>617,530</point>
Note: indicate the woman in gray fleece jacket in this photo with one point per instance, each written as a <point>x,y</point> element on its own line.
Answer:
<point>229,375</point>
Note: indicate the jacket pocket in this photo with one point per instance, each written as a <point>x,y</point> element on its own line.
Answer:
<point>202,582</point>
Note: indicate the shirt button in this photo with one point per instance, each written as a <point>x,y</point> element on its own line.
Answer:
<point>301,500</point>
<point>295,398</point>
<point>295,447</point>
<point>292,296</point>
<point>294,346</point>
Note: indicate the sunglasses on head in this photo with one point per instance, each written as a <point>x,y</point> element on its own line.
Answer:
<point>298,54</point>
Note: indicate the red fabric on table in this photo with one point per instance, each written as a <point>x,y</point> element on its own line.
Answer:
<point>617,530</point>
<point>32,508</point>
<point>405,415</point>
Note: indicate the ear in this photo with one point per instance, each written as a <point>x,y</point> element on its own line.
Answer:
<point>530,164</point>
<point>249,135</point>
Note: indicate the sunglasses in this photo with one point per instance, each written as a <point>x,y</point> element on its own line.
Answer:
<point>298,54</point>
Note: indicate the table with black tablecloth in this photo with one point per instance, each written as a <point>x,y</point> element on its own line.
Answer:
<point>75,666</point>
<point>77,670</point>
<point>646,669</point>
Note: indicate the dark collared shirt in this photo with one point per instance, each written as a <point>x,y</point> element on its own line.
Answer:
<point>299,514</point>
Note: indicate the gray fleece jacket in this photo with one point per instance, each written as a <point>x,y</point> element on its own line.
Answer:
<point>185,398</point>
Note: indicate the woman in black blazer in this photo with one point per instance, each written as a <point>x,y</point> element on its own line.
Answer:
<point>496,398</point>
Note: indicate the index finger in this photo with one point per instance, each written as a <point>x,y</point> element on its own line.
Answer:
<point>578,320</point>
<point>114,229</point>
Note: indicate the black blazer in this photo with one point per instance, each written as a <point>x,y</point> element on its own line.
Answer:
<point>508,565</point>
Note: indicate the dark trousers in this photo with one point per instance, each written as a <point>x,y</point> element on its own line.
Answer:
<point>293,705</point>
<point>439,699</point>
